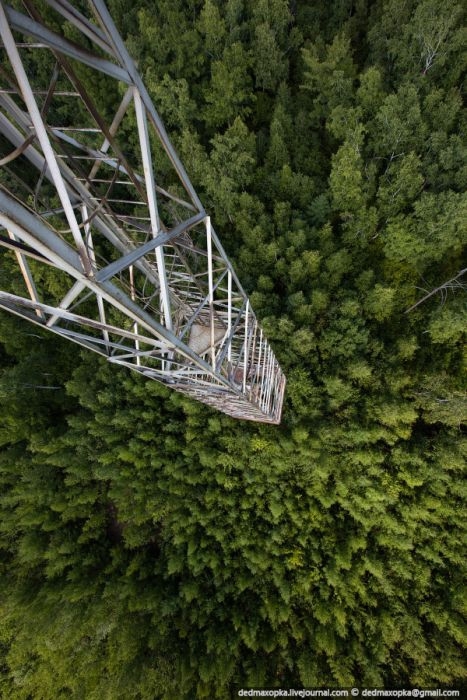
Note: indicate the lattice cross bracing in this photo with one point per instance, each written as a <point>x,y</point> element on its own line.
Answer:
<point>136,271</point>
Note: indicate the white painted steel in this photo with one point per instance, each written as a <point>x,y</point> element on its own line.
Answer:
<point>144,279</point>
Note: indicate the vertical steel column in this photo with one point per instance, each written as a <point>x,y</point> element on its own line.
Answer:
<point>135,325</point>
<point>152,202</point>
<point>245,347</point>
<point>26,272</point>
<point>29,99</point>
<point>229,315</point>
<point>92,255</point>
<point>211,292</point>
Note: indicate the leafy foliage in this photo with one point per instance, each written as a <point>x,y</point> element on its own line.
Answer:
<point>152,548</point>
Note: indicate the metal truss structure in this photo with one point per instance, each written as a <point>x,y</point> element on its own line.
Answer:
<point>138,272</point>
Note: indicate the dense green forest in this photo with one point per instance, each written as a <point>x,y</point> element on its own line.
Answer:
<point>153,548</point>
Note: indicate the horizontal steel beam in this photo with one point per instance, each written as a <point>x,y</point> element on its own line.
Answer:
<point>24,224</point>
<point>162,239</point>
<point>34,29</point>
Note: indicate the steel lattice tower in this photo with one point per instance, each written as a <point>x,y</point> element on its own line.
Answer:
<point>139,274</point>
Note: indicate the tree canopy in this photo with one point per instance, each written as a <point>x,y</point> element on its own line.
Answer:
<point>152,548</point>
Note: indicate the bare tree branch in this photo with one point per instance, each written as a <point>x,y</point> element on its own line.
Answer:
<point>450,284</point>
